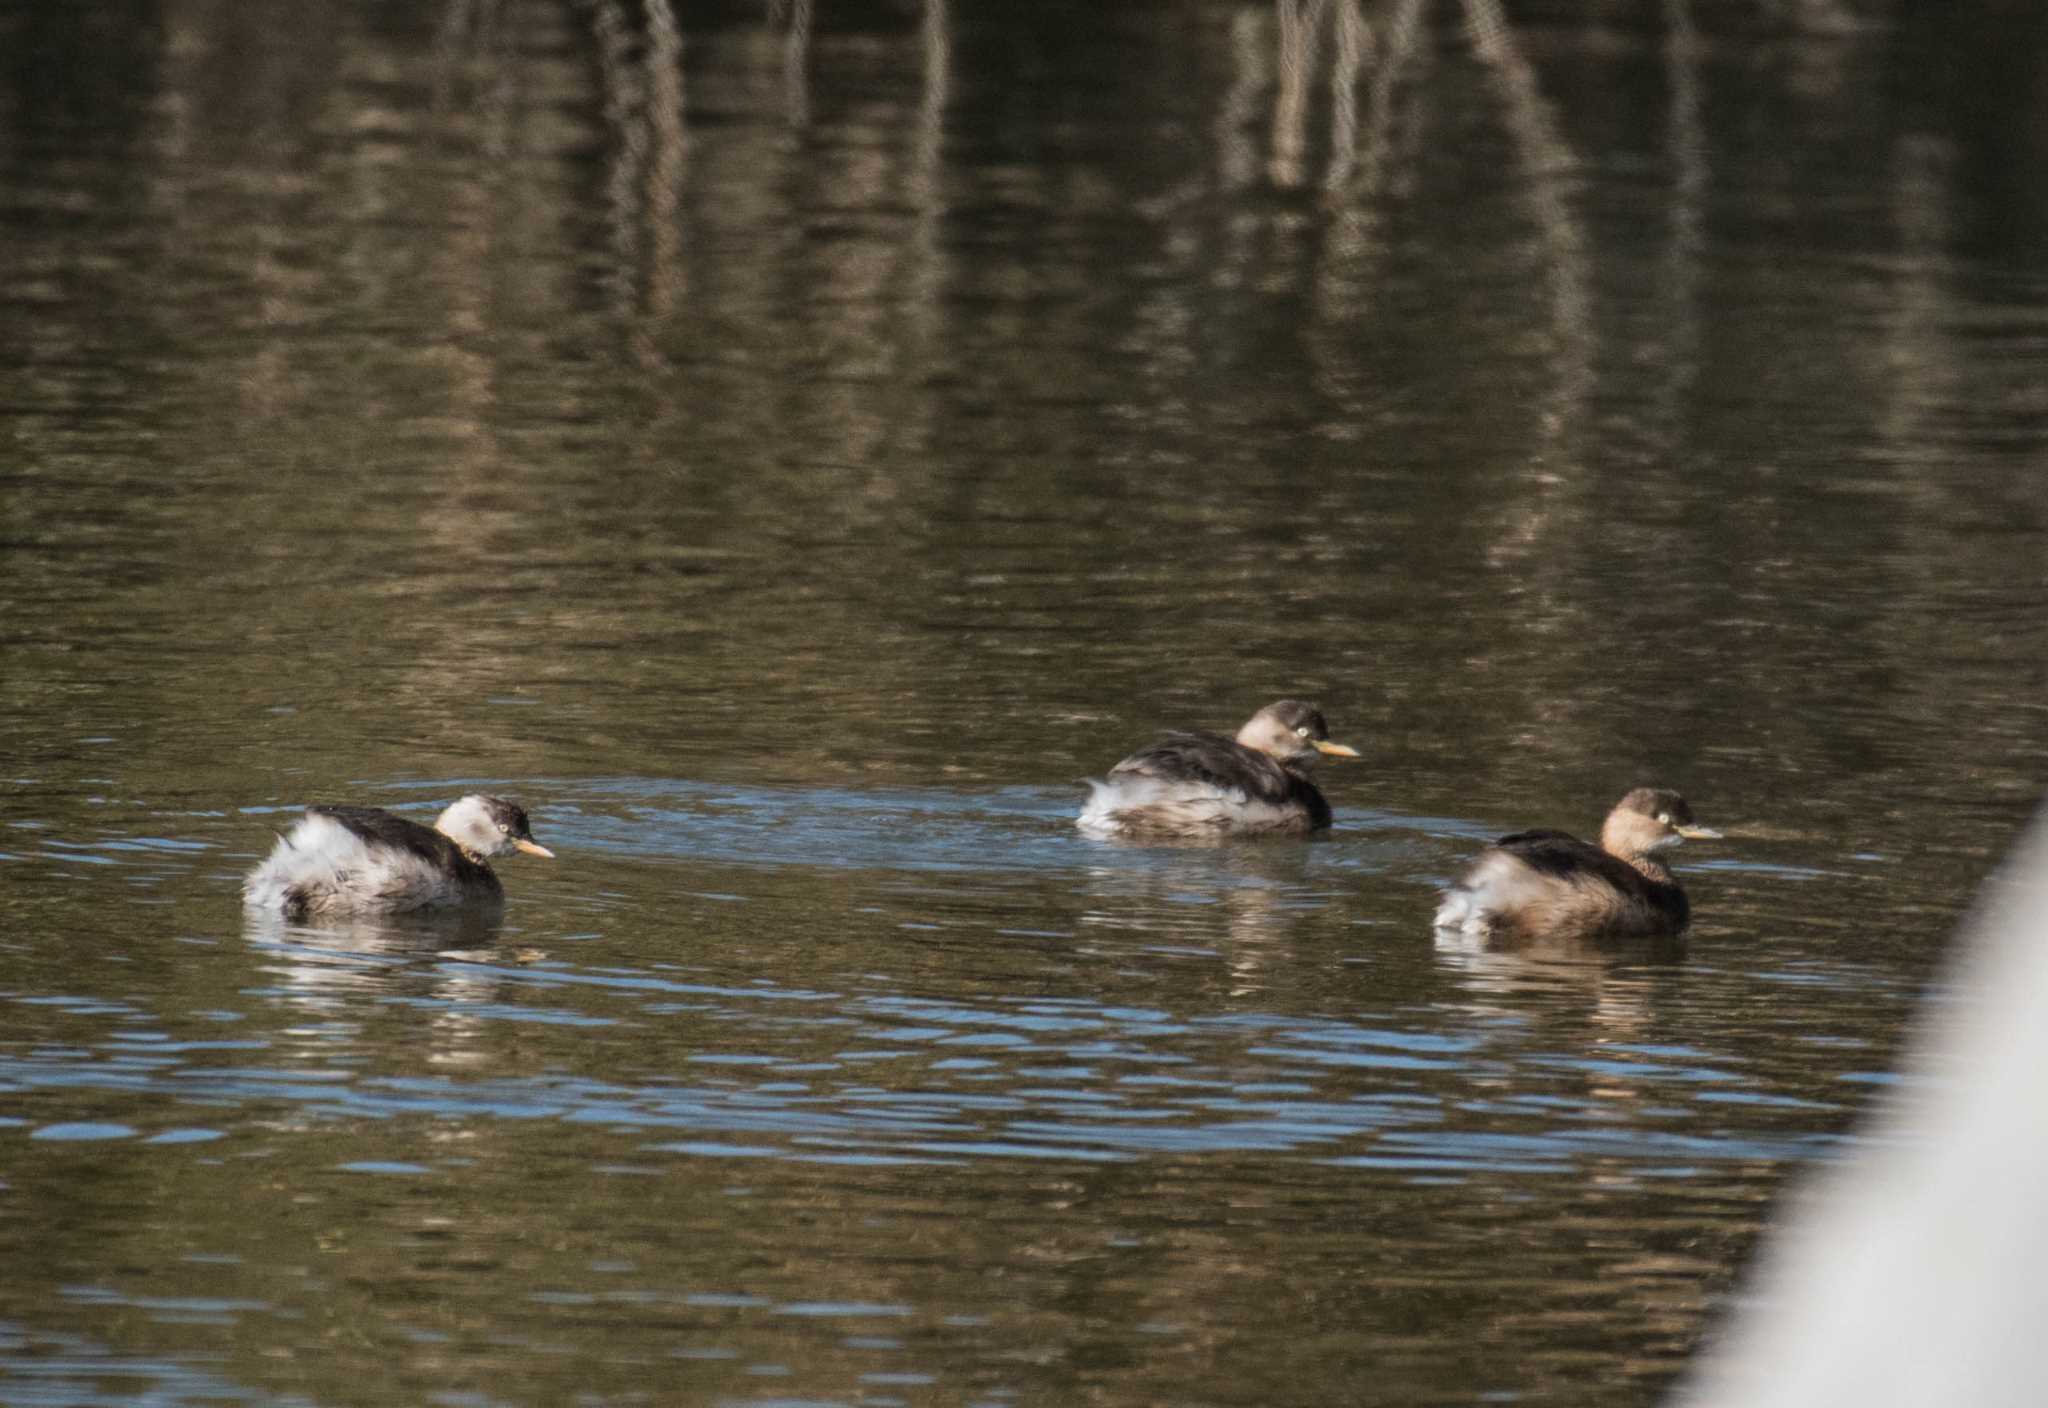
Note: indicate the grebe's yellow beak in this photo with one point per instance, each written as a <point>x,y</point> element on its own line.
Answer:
<point>1698,833</point>
<point>1334,750</point>
<point>534,848</point>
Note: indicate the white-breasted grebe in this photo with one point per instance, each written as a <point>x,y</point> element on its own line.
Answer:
<point>1546,884</point>
<point>1203,785</point>
<point>363,860</point>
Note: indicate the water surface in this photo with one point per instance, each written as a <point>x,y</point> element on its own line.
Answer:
<point>787,451</point>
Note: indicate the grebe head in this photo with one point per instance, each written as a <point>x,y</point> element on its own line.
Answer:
<point>1292,733</point>
<point>1649,819</point>
<point>489,826</point>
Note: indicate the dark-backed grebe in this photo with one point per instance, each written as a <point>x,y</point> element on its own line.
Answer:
<point>361,860</point>
<point>1545,884</point>
<point>1203,785</point>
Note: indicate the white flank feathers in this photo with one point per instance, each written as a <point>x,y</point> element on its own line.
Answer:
<point>1498,882</point>
<point>331,870</point>
<point>1176,806</point>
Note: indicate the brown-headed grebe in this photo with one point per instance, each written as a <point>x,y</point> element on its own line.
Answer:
<point>362,860</point>
<point>1203,785</point>
<point>1545,884</point>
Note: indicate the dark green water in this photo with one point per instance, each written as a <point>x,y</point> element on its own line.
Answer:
<point>786,451</point>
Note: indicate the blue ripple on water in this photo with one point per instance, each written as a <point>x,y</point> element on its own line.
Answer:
<point>501,1012</point>
<point>51,1368</point>
<point>840,1308</point>
<point>897,829</point>
<point>929,830</point>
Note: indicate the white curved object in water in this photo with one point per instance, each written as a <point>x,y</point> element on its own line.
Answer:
<point>1910,1275</point>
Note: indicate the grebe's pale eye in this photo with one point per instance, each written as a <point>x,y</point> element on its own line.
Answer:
<point>1301,732</point>
<point>1663,818</point>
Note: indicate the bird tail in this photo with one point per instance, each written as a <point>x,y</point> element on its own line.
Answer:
<point>1459,910</point>
<point>1098,813</point>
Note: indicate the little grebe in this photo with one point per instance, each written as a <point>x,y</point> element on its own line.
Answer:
<point>362,860</point>
<point>1204,785</point>
<point>1545,884</point>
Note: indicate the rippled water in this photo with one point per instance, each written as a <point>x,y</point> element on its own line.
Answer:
<point>787,451</point>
